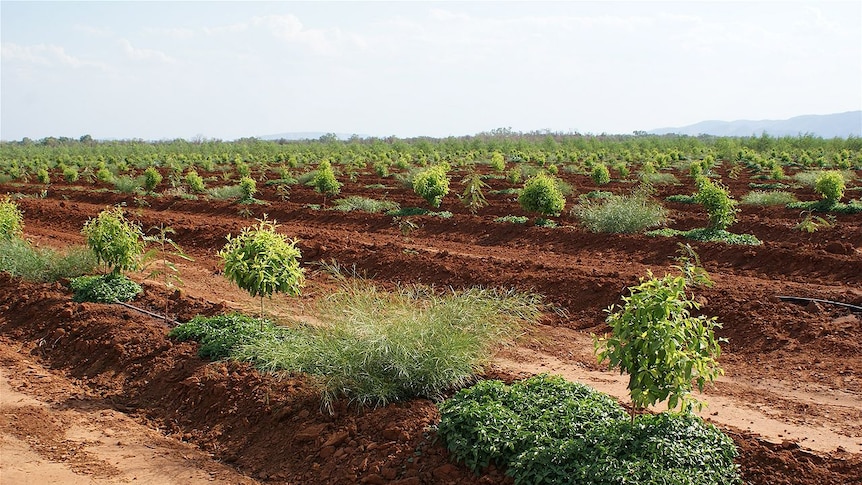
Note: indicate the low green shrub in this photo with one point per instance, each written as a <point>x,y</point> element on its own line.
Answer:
<point>512,219</point>
<point>716,200</point>
<point>152,178</point>
<point>709,235</point>
<point>546,430</point>
<point>620,214</point>
<point>195,182</point>
<point>830,185</point>
<point>600,174</point>
<point>681,199</point>
<point>221,334</point>
<point>364,204</point>
<point>823,205</point>
<point>768,197</point>
<point>107,288</point>
<point>432,184</point>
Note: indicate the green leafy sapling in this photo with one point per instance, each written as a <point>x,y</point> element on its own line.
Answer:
<point>262,262</point>
<point>658,343</point>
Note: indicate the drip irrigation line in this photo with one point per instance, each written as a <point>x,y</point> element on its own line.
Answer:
<point>154,315</point>
<point>854,308</point>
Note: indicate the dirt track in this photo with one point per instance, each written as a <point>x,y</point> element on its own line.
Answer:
<point>791,397</point>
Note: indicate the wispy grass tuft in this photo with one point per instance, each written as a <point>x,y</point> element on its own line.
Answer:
<point>226,192</point>
<point>364,204</point>
<point>768,197</point>
<point>19,258</point>
<point>620,214</point>
<point>376,346</point>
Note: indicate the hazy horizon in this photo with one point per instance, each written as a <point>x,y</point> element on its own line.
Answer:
<point>164,70</point>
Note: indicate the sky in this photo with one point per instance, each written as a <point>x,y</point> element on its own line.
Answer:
<point>164,70</point>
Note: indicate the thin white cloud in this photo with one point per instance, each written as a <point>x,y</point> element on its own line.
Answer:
<point>45,55</point>
<point>138,54</point>
<point>94,31</point>
<point>171,32</point>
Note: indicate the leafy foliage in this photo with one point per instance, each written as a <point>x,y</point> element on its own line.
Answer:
<point>262,262</point>
<point>152,178</point>
<point>11,220</point>
<point>541,194</point>
<point>549,431</point>
<point>512,219</point>
<point>830,185</point>
<point>432,184</point>
<point>115,241</point>
<point>107,288</point>
<point>195,182</point>
<point>707,235</point>
<point>600,174</point>
<point>220,335</point>
<point>717,202</point>
<point>474,196</point>
<point>324,180</point>
<point>659,344</point>
<point>248,187</point>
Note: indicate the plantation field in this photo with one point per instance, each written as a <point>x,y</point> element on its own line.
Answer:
<point>791,396</point>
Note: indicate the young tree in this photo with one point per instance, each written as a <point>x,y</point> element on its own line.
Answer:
<point>10,220</point>
<point>541,194</point>
<point>432,184</point>
<point>717,202</point>
<point>325,182</point>
<point>117,242</point>
<point>659,344</point>
<point>474,196</point>
<point>262,262</point>
<point>830,186</point>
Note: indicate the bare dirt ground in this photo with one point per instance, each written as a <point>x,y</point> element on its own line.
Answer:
<point>791,397</point>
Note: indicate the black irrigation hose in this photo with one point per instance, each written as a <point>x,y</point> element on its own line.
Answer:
<point>154,315</point>
<point>853,308</point>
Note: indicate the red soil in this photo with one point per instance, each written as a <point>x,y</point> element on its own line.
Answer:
<point>790,398</point>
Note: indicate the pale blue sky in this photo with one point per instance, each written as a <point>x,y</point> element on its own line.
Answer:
<point>225,70</point>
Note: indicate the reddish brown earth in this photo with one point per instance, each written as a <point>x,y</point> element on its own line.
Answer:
<point>791,397</point>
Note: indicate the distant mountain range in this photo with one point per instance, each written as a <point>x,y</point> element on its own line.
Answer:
<point>838,125</point>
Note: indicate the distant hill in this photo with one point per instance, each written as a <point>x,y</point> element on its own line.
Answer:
<point>839,125</point>
<point>308,135</point>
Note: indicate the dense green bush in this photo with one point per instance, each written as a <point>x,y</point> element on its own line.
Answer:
<point>107,288</point>
<point>324,180</point>
<point>195,182</point>
<point>11,220</point>
<point>152,178</point>
<point>600,174</point>
<point>830,185</point>
<point>248,187</point>
<point>541,194</point>
<point>432,184</point>
<point>717,202</point>
<point>116,242</point>
<point>546,430</point>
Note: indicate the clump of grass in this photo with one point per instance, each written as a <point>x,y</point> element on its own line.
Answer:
<point>376,346</point>
<point>125,184</point>
<point>226,192</point>
<point>809,177</point>
<point>768,197</point>
<point>364,204</point>
<point>19,258</point>
<point>620,214</point>
<point>659,178</point>
<point>851,207</point>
